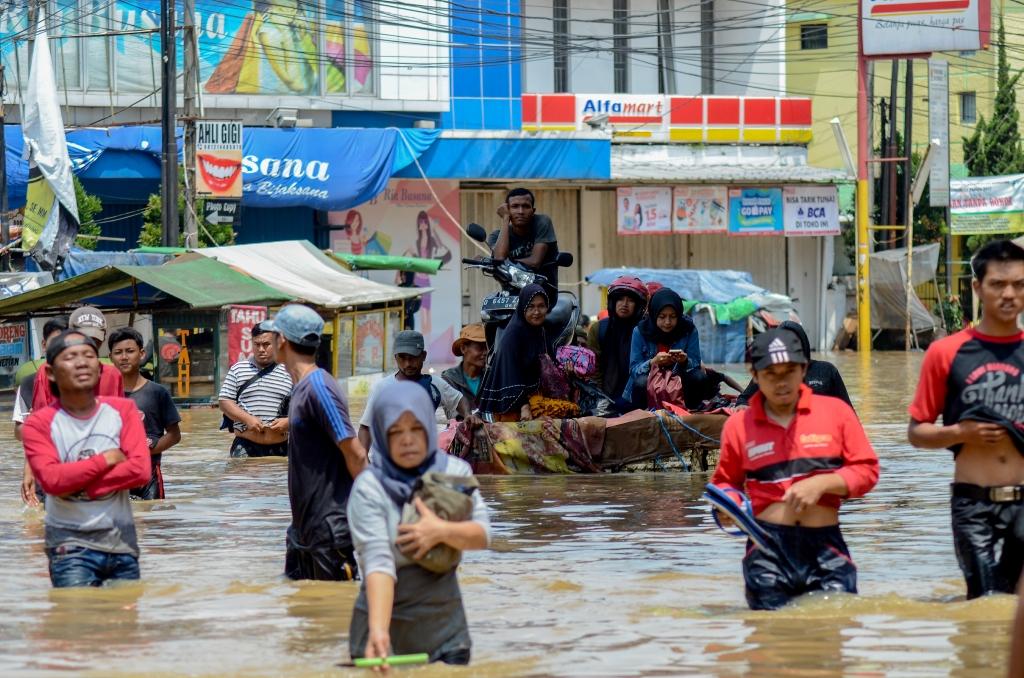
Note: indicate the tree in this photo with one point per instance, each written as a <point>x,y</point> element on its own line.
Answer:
<point>152,224</point>
<point>88,207</point>
<point>995,147</point>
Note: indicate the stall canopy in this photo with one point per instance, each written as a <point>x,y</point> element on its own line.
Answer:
<point>323,169</point>
<point>200,283</point>
<point>889,288</point>
<point>298,268</point>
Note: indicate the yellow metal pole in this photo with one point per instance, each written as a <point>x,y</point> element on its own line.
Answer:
<point>863,272</point>
<point>335,343</point>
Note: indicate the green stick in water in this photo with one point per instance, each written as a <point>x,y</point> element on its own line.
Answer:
<point>393,660</point>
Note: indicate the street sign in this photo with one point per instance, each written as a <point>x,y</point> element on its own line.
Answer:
<point>220,212</point>
<point>218,160</point>
<point>892,27</point>
<point>938,130</point>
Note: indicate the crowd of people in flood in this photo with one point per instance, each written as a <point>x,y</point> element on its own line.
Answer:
<point>378,501</point>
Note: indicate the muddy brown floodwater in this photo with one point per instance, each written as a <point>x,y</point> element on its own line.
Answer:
<point>589,575</point>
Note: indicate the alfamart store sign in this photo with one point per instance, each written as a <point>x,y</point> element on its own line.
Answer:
<point>987,205</point>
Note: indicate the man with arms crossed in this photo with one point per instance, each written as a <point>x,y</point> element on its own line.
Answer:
<point>85,452</point>
<point>975,380</point>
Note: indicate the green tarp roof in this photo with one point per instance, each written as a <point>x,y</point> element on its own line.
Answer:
<point>199,283</point>
<point>379,262</point>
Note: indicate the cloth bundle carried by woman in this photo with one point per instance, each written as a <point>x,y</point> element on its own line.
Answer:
<point>451,498</point>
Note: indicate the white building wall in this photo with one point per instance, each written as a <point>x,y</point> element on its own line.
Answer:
<point>538,69</point>
<point>750,50</point>
<point>591,65</point>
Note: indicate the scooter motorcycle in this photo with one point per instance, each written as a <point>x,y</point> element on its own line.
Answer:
<point>497,308</point>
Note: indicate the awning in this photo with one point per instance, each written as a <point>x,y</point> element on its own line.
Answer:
<point>298,268</point>
<point>200,283</point>
<point>319,168</point>
<point>380,262</point>
<point>739,164</point>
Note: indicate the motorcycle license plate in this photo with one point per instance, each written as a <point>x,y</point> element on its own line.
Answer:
<point>500,303</point>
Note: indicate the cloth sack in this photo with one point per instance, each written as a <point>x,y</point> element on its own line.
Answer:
<point>664,386</point>
<point>451,498</point>
<point>553,383</point>
<point>580,360</point>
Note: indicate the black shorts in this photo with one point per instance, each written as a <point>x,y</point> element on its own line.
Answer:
<point>989,542</point>
<point>329,563</point>
<point>154,489</point>
<point>806,559</point>
<point>242,448</point>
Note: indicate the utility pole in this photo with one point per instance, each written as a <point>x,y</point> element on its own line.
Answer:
<point>168,101</point>
<point>5,222</point>
<point>191,89</point>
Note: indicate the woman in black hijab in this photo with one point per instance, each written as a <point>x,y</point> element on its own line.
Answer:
<point>513,371</point>
<point>666,338</point>
<point>610,338</point>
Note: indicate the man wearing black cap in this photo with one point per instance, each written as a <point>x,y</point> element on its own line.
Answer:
<point>254,400</point>
<point>324,456</point>
<point>797,455</point>
<point>86,452</point>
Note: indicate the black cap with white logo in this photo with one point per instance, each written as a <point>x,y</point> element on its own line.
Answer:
<point>775,347</point>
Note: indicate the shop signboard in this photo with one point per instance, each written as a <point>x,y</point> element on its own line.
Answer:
<point>755,211</point>
<point>644,210</point>
<point>218,160</point>
<point>405,220</point>
<point>890,27</point>
<point>987,205</point>
<point>699,209</point>
<point>810,210</point>
<point>13,351</point>
<point>240,323</point>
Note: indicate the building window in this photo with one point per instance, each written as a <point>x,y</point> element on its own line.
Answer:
<point>620,45</point>
<point>560,28</point>
<point>968,108</point>
<point>814,36</point>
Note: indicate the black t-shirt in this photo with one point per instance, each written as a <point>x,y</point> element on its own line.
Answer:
<point>520,248</point>
<point>157,409</point>
<point>318,479</point>
<point>822,377</point>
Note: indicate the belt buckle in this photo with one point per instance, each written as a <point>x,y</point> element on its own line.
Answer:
<point>1005,494</point>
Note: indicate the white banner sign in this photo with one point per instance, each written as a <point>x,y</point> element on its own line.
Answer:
<point>938,130</point>
<point>892,27</point>
<point>987,205</point>
<point>810,210</point>
<point>643,209</point>
<point>700,209</point>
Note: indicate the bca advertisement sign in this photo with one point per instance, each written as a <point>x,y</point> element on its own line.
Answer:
<point>916,26</point>
<point>810,210</point>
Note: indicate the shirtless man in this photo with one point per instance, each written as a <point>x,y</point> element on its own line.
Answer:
<point>974,380</point>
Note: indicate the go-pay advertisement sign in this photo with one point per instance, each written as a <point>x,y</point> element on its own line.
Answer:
<point>918,26</point>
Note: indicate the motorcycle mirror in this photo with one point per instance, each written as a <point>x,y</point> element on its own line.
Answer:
<point>476,232</point>
<point>564,259</point>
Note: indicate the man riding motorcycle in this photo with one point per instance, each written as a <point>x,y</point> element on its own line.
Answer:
<point>527,237</point>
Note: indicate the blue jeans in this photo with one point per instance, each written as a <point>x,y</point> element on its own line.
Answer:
<point>80,566</point>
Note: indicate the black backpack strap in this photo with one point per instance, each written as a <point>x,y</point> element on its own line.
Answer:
<point>226,423</point>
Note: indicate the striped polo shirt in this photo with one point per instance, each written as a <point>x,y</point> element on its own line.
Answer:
<point>263,397</point>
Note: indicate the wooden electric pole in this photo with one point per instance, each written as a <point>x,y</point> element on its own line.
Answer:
<point>191,111</point>
<point>168,92</point>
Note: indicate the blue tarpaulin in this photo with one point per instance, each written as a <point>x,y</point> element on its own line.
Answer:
<point>323,169</point>
<point>82,261</point>
<point>716,287</point>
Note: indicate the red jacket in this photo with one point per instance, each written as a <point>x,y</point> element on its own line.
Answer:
<point>764,459</point>
<point>64,451</point>
<point>111,384</point>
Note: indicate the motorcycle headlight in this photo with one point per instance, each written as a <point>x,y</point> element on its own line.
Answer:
<point>521,278</point>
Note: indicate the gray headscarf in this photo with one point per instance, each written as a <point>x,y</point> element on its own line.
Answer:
<point>392,402</point>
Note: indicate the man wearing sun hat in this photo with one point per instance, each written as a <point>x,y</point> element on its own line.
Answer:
<point>318,543</point>
<point>471,346</point>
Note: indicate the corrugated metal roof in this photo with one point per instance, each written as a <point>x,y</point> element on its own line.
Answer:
<point>719,165</point>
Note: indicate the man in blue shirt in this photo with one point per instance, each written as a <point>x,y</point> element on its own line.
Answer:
<point>324,454</point>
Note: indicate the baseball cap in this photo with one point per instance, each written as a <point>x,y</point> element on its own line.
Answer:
<point>474,332</point>
<point>408,342</point>
<point>775,347</point>
<point>90,322</point>
<point>298,324</point>
<point>64,341</point>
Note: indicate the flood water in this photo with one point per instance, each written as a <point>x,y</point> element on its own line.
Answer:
<point>603,575</point>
